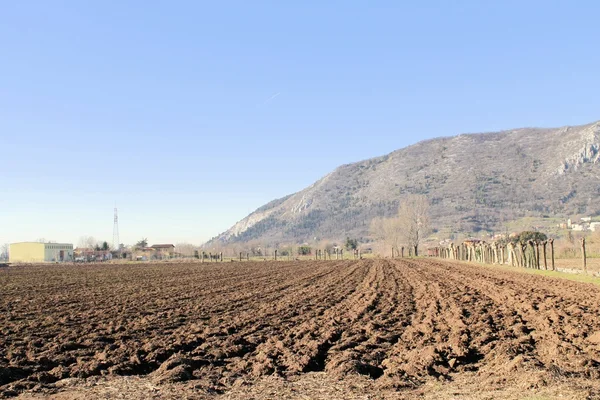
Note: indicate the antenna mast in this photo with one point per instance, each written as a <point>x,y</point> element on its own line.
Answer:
<point>116,232</point>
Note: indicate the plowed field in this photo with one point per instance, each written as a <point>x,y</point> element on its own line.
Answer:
<point>400,327</point>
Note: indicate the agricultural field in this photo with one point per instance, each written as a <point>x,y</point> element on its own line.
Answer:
<point>371,328</point>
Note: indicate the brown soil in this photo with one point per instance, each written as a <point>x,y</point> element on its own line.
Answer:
<point>320,329</point>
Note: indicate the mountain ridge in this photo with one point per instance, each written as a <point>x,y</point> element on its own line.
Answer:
<point>474,181</point>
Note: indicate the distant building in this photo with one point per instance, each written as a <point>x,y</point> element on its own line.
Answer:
<point>577,227</point>
<point>35,252</point>
<point>595,226</point>
<point>164,249</point>
<point>82,254</point>
<point>586,219</point>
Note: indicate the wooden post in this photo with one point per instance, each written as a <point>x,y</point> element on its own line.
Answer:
<point>522,248</point>
<point>275,254</point>
<point>583,254</point>
<point>240,256</point>
<point>552,251</point>
<point>221,255</point>
<point>544,243</point>
<point>402,254</point>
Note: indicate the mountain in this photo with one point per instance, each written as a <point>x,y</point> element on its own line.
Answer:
<point>474,182</point>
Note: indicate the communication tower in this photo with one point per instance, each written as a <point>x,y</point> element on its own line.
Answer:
<point>116,232</point>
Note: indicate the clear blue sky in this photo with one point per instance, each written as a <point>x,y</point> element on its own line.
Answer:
<point>191,114</point>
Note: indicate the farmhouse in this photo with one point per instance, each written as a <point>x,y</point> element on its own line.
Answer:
<point>30,252</point>
<point>165,250</point>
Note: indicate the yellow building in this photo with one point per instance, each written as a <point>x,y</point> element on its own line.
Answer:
<point>34,252</point>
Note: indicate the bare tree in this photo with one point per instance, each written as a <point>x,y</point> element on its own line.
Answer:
<point>185,249</point>
<point>88,242</point>
<point>387,230</point>
<point>4,251</point>
<point>413,216</point>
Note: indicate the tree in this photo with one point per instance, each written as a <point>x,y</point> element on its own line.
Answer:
<point>526,236</point>
<point>304,250</point>
<point>4,251</point>
<point>351,244</point>
<point>387,230</point>
<point>88,242</point>
<point>105,246</point>
<point>142,243</point>
<point>185,249</point>
<point>413,216</point>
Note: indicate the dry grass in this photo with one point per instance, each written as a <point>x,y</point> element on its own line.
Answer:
<point>317,386</point>
<point>576,264</point>
<point>567,269</point>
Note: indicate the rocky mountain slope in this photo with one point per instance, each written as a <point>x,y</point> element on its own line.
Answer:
<point>473,182</point>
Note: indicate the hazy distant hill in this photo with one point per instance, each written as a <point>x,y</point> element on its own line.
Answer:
<point>473,181</point>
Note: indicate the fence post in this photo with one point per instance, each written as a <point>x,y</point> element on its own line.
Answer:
<point>240,256</point>
<point>583,254</point>
<point>275,254</point>
<point>544,243</point>
<point>552,251</point>
<point>221,255</point>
